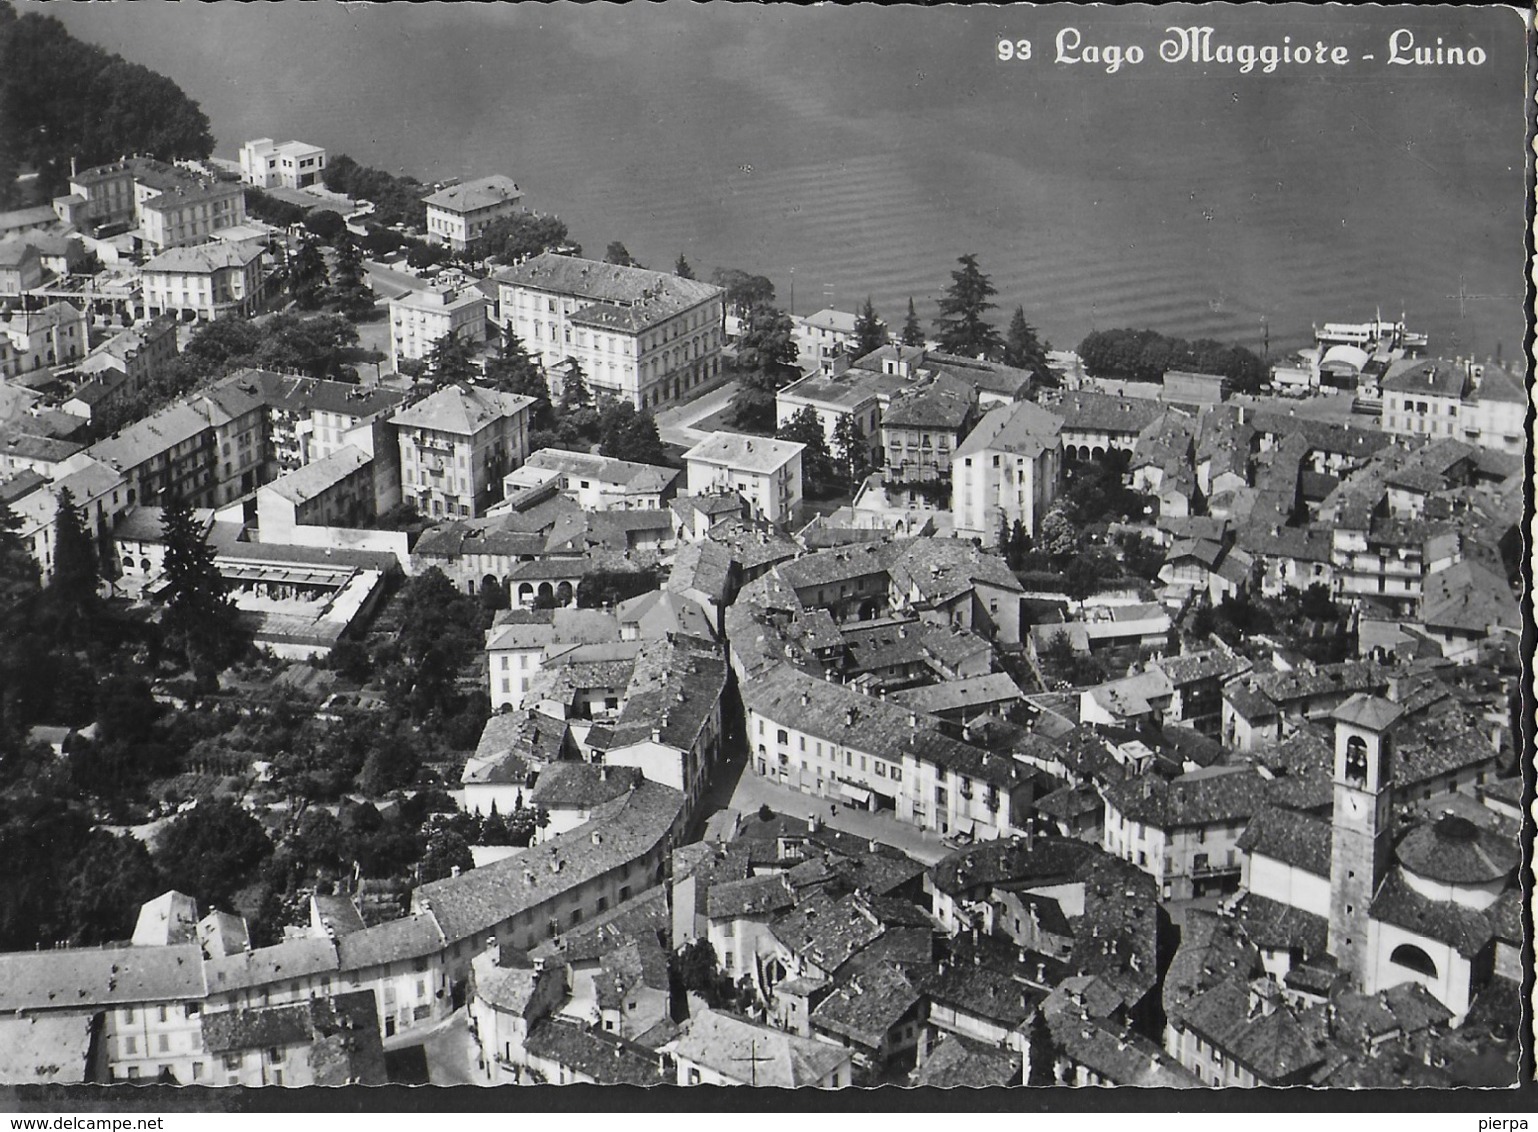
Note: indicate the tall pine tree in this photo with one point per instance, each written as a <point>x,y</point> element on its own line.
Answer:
<point>682,268</point>
<point>1023,349</point>
<point>574,391</point>
<point>449,361</point>
<point>308,277</point>
<point>75,567</point>
<point>199,622</point>
<point>348,293</point>
<point>805,427</point>
<point>869,331</point>
<point>852,450</point>
<point>961,327</point>
<point>912,332</point>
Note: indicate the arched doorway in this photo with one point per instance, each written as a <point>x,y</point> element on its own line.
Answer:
<point>563,594</point>
<point>525,593</point>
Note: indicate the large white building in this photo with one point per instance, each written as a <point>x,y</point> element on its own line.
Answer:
<point>462,213</point>
<point>647,337</point>
<point>418,319</point>
<point>209,280</point>
<point>1005,471</point>
<point>1479,404</point>
<point>290,165</point>
<point>457,445</point>
<point>765,472</point>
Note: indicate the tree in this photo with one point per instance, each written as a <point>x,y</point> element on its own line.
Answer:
<point>199,620</point>
<point>227,340</point>
<point>448,362</point>
<point>389,766</point>
<point>766,343</point>
<point>617,253</point>
<point>513,371</point>
<point>524,822</point>
<point>318,841</point>
<point>325,223</point>
<point>1023,349</point>
<point>212,851</point>
<point>349,294</point>
<point>76,569</point>
<point>696,969</point>
<point>629,434</point>
<point>64,100</point>
<point>307,275</point>
<point>574,391</point>
<point>852,450</point>
<point>961,327</point>
<point>869,331</point>
<point>512,239</point>
<point>817,463</point>
<point>912,332</point>
<point>107,879</point>
<point>1059,533</point>
<point>427,255</point>
<point>315,344</point>
<point>805,427</point>
<point>743,291</point>
<point>682,268</point>
<point>445,852</point>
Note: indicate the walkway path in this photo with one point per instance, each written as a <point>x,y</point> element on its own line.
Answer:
<point>676,424</point>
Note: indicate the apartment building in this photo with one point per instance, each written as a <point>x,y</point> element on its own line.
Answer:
<point>207,282</point>
<point>457,445</point>
<point>644,336</point>
<point>290,165</point>
<point>419,319</point>
<point>461,213</point>
<point>1005,472</point>
<point>765,472</point>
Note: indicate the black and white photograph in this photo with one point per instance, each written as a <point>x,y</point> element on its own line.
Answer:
<point>808,547</point>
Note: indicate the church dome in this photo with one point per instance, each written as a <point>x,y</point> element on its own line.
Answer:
<point>1453,850</point>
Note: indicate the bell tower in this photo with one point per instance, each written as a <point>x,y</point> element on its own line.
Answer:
<point>1361,823</point>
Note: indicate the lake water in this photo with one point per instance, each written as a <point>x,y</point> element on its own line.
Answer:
<point>857,150</point>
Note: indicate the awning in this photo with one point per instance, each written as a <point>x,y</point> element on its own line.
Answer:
<point>854,793</point>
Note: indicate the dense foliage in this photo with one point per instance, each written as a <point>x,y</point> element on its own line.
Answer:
<point>521,235</point>
<point>397,200</point>
<point>1145,355</point>
<point>63,99</point>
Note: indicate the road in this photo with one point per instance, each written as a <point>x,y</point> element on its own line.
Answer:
<point>736,790</point>
<point>676,424</point>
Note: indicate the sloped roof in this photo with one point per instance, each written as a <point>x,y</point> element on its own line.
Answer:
<point>90,978</point>
<point>469,196</point>
<point>1293,838</point>
<point>744,1052</point>
<point>202,259</point>
<point>955,1061</point>
<point>463,410</point>
<point>759,454</point>
<point>629,298</point>
<point>868,1006</point>
<point>619,832</point>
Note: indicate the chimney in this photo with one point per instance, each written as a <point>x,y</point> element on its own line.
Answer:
<point>539,963</point>
<point>1041,973</point>
<point>597,837</point>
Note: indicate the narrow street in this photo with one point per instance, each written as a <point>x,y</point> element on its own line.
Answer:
<point>737,790</point>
